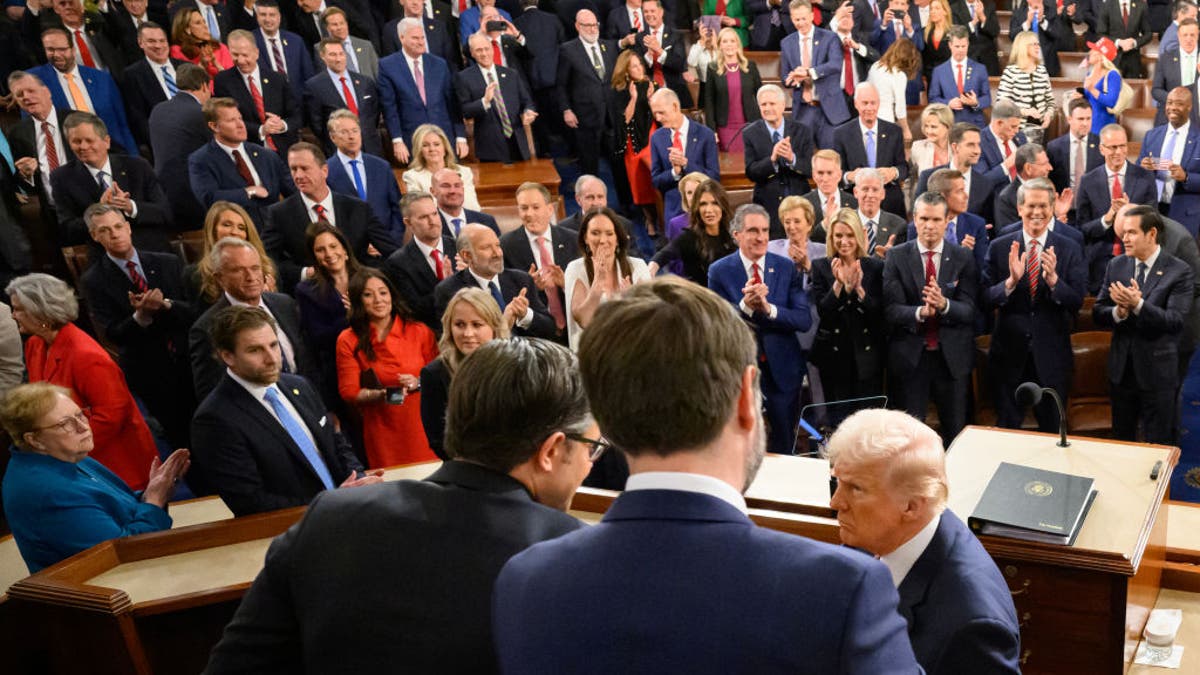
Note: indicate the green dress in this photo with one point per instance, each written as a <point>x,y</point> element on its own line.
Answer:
<point>733,10</point>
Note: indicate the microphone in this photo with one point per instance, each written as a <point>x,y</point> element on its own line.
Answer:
<point>1029,394</point>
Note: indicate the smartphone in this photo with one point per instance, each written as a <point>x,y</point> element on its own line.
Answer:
<point>496,26</point>
<point>897,15</point>
<point>395,395</point>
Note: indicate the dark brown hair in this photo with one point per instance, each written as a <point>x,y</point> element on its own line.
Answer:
<point>322,279</point>
<point>622,252</point>
<point>229,322</point>
<point>703,240</point>
<point>360,323</point>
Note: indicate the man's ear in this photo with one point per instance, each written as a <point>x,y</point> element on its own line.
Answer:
<point>747,401</point>
<point>550,451</point>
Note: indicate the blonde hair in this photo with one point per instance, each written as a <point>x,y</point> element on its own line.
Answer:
<point>797,203</point>
<point>25,404</point>
<point>743,62</point>
<point>487,309</point>
<point>209,290</point>
<point>830,155</point>
<point>418,160</point>
<point>941,112</point>
<point>849,218</point>
<point>946,23</point>
<point>909,454</point>
<point>1020,50</point>
<point>697,177</point>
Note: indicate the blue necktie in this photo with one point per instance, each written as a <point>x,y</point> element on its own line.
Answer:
<point>457,222</point>
<point>6,153</point>
<point>951,235</point>
<point>1167,153</point>
<point>171,86</point>
<point>358,183</point>
<point>102,179</point>
<point>214,31</point>
<point>776,136</point>
<point>495,289</point>
<point>871,149</point>
<point>292,426</point>
<point>1033,25</point>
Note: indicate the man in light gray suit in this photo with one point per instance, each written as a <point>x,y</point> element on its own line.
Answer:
<point>361,56</point>
<point>12,358</point>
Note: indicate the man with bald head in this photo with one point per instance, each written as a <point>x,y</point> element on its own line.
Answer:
<point>679,147</point>
<point>590,193</point>
<point>585,67</point>
<point>427,258</point>
<point>513,290</point>
<point>498,100</point>
<point>446,186</point>
<point>1172,152</point>
<point>869,142</point>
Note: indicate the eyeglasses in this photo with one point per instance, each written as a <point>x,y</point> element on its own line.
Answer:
<point>77,423</point>
<point>598,447</point>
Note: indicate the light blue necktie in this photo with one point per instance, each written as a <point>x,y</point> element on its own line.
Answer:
<point>358,181</point>
<point>495,289</point>
<point>951,235</point>
<point>1167,153</point>
<point>457,222</point>
<point>1033,25</point>
<point>214,31</point>
<point>292,426</point>
<point>871,149</point>
<point>6,153</point>
<point>1188,70</point>
<point>172,88</point>
<point>353,62</point>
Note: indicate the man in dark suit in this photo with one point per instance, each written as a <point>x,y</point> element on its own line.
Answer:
<point>958,607</point>
<point>679,146</point>
<point>468,518</point>
<point>216,15</point>
<point>149,81</point>
<point>95,36</point>
<point>513,290</point>
<point>425,260</point>
<point>769,294</point>
<point>280,50</point>
<point>498,100</point>
<point>1099,199</point>
<point>38,144</point>
<point>1127,22</point>
<point>985,28</point>
<point>828,197</point>
<point>336,88</point>
<point>361,56</point>
<point>177,129</point>
<point>930,288</point>
<point>96,90</point>
<point>1176,68</point>
<point>239,274</point>
<point>964,156</point>
<point>668,529</point>
<point>1038,281</point>
<point>441,39</point>
<point>874,143</point>
<point>541,249</point>
<point>1032,162</point>
<point>778,154</point>
<point>356,173</point>
<point>882,229</point>
<point>1047,29</point>
<point>897,21</point>
<point>543,34</point>
<point>998,143</point>
<point>1079,143</point>
<point>272,115</point>
<point>136,302</point>
<point>262,439</point>
<point>507,43</point>
<point>95,176</point>
<point>227,168</point>
<point>961,82</point>
<point>962,227</point>
<point>284,236</point>
<point>664,52</point>
<point>585,67</point>
<point>1172,151</point>
<point>1144,298</point>
<point>416,88</point>
<point>1181,10</point>
<point>129,17</point>
<point>770,23</point>
<point>810,61</point>
<point>446,186</point>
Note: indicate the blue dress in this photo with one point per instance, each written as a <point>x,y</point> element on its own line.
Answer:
<point>1110,90</point>
<point>57,509</point>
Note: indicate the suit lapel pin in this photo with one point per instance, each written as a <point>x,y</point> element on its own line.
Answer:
<point>285,43</point>
<point>266,81</point>
<point>1158,273</point>
<point>296,392</point>
<point>770,270</point>
<point>358,49</point>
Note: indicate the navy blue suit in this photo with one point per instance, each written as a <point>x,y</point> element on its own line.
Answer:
<point>763,35</point>
<point>412,273</point>
<point>295,58</point>
<point>403,109</point>
<point>1059,152</point>
<point>439,41</point>
<point>701,151</point>
<point>885,34</point>
<point>958,607</point>
<point>991,158</point>
<point>277,98</point>
<point>1092,202</point>
<point>827,62</point>
<point>943,86</point>
<point>965,224</point>
<point>75,190</point>
<point>1031,340</point>
<point>651,569</point>
<point>784,365</point>
<point>1185,201</point>
<point>142,92</point>
<point>322,96</point>
<point>213,176</point>
<point>981,191</point>
<point>177,129</point>
<point>106,100</point>
<point>1048,27</point>
<point>383,192</point>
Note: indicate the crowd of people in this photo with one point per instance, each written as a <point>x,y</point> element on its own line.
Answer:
<point>320,333</point>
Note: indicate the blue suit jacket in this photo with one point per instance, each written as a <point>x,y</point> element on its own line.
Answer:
<point>827,62</point>
<point>991,159</point>
<point>106,99</point>
<point>383,192</point>
<point>964,224</point>
<point>403,109</point>
<point>701,151</point>
<point>57,509</point>
<point>885,34</point>
<point>683,539</point>
<point>214,177</point>
<point>468,23</point>
<point>785,290</point>
<point>295,57</point>
<point>959,610</point>
<point>1045,321</point>
<point>1185,202</point>
<point>943,86</point>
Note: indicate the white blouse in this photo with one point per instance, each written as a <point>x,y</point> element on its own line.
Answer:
<point>891,86</point>
<point>577,271</point>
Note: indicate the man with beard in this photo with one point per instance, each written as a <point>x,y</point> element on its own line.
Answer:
<point>694,441</point>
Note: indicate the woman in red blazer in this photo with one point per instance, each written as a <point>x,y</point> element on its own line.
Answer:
<point>60,353</point>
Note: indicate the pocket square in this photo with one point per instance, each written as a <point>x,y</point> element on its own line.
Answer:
<point>322,422</point>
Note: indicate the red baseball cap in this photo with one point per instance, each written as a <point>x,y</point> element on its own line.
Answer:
<point>1106,47</point>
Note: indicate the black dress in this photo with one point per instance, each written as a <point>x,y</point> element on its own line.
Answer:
<point>631,144</point>
<point>435,396</point>
<point>686,249</point>
<point>850,346</point>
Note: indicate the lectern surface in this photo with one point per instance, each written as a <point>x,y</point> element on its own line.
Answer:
<point>193,572</point>
<point>1126,492</point>
<point>793,480</point>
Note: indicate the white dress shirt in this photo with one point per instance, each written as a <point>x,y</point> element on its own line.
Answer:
<point>683,143</point>
<point>157,69</point>
<point>486,284</point>
<point>1153,258</point>
<point>533,244</point>
<point>427,251</point>
<point>108,178</point>
<point>937,268</point>
<point>772,310</point>
<point>271,52</point>
<point>66,89</point>
<point>60,147</point>
<point>285,344</point>
<point>326,203</point>
<point>337,84</point>
<point>241,149</point>
<point>900,562</point>
<point>259,393</point>
<point>687,482</point>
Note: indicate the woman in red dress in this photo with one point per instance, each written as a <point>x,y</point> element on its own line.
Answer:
<point>379,361</point>
<point>191,42</point>
<point>635,124</point>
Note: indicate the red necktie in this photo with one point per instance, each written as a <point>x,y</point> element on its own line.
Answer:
<point>960,79</point>
<point>243,169</point>
<point>676,141</point>
<point>139,282</point>
<point>1033,268</point>
<point>555,303</point>
<point>1012,172</point>
<point>320,210</point>
<point>437,262</point>
<point>346,94</point>
<point>931,323</point>
<point>1125,14</point>
<point>51,148</point>
<point>720,10</point>
<point>1117,193</point>
<point>637,20</point>
<point>848,68</point>
<point>462,6</point>
<point>659,80</point>
<point>497,53</point>
<point>755,277</point>
<point>85,54</point>
<point>259,108</point>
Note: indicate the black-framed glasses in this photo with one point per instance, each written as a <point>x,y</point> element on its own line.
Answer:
<point>77,422</point>
<point>597,446</point>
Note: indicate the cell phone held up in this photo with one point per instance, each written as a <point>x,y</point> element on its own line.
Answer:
<point>370,380</point>
<point>495,26</point>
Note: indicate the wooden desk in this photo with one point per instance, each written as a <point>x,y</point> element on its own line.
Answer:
<point>496,183</point>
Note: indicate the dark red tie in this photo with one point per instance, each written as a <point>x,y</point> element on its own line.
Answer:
<point>1012,171</point>
<point>1033,268</point>
<point>139,282</point>
<point>931,323</point>
<point>346,93</point>
<point>755,277</point>
<point>848,68</point>
<point>51,148</point>
<point>1117,193</point>
<point>259,108</point>
<point>320,213</point>
<point>243,169</point>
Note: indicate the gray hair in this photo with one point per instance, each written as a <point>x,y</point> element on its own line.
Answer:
<point>582,181</point>
<point>18,75</point>
<point>95,211</point>
<point>773,89</point>
<point>867,173</point>
<point>1004,109</point>
<point>1042,184</point>
<point>743,211</point>
<point>463,241</point>
<point>344,114</point>
<point>243,35</point>
<point>1112,129</point>
<point>1027,154</point>
<point>216,257</point>
<point>408,23</point>
<point>45,297</point>
<point>666,94</point>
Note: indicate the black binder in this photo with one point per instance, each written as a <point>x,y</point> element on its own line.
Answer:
<point>1033,504</point>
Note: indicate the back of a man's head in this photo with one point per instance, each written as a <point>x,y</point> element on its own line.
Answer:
<point>508,397</point>
<point>663,366</point>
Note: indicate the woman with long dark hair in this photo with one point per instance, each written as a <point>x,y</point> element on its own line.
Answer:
<point>192,42</point>
<point>634,124</point>
<point>706,238</point>
<point>379,360</point>
<point>324,299</point>
<point>604,270</point>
